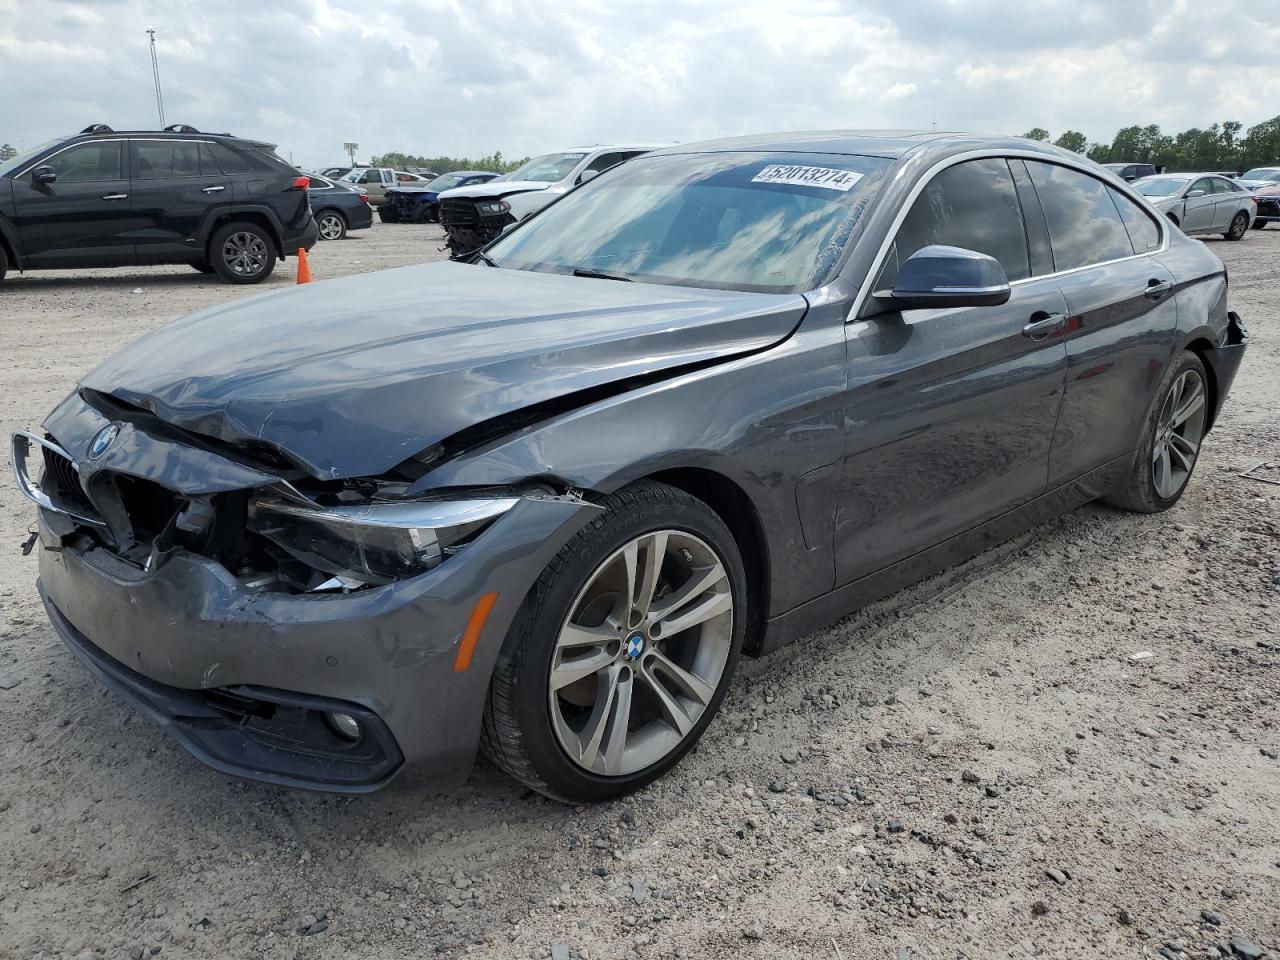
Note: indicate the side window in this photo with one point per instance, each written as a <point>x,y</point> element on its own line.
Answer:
<point>371,176</point>
<point>972,205</point>
<point>163,160</point>
<point>229,160</point>
<point>317,184</point>
<point>1084,225</point>
<point>388,177</point>
<point>1222,186</point>
<point>86,162</point>
<point>607,160</point>
<point>1202,184</point>
<point>1143,232</point>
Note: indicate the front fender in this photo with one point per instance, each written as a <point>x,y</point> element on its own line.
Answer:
<point>762,421</point>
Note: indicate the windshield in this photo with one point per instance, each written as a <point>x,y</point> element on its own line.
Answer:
<point>1260,173</point>
<point>15,163</point>
<point>769,223</point>
<point>550,168</point>
<point>446,181</point>
<point>1160,186</point>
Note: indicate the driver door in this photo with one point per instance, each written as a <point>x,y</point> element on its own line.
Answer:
<point>950,412</point>
<point>1198,211</point>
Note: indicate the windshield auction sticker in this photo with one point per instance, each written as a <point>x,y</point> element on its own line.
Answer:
<point>826,177</point>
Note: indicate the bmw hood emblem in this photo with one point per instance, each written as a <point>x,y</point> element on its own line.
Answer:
<point>102,440</point>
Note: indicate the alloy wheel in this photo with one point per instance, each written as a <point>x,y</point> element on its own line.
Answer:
<point>330,227</point>
<point>642,653</point>
<point>1239,225</point>
<point>1179,430</point>
<point>245,253</point>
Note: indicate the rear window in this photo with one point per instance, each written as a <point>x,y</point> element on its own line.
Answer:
<point>1084,225</point>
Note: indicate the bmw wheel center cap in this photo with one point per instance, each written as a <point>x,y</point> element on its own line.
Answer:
<point>635,646</point>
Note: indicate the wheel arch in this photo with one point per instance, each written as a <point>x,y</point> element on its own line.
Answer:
<point>8,240</point>
<point>732,505</point>
<point>1203,348</point>
<point>257,216</point>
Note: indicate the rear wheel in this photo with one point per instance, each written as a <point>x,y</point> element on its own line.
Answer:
<point>4,262</point>
<point>242,253</point>
<point>1170,442</point>
<point>332,225</point>
<point>1259,224</point>
<point>1239,226</point>
<point>623,650</point>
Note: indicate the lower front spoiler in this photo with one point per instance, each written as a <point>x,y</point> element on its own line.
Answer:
<point>257,733</point>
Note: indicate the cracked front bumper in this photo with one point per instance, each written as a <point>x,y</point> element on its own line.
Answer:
<point>177,641</point>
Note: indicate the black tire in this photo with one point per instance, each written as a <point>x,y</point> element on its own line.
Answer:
<point>202,267</point>
<point>4,262</point>
<point>1139,494</point>
<point>252,237</point>
<point>387,213</point>
<point>1260,224</point>
<point>333,222</point>
<point>517,733</point>
<point>1239,227</point>
<point>421,213</point>
<point>433,213</point>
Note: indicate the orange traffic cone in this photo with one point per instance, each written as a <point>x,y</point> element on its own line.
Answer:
<point>304,270</point>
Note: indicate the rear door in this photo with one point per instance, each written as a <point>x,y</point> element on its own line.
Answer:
<point>1198,211</point>
<point>83,219</point>
<point>1226,203</point>
<point>177,188</point>
<point>1122,315</point>
<point>950,413</point>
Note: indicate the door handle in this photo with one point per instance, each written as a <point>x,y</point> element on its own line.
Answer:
<point>1157,289</point>
<point>1042,325</point>
<point>115,196</point>
<point>212,189</point>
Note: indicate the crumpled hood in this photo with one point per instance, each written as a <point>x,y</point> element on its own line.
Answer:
<point>495,188</point>
<point>353,376</point>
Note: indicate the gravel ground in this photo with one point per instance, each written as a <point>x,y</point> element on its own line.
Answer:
<point>976,768</point>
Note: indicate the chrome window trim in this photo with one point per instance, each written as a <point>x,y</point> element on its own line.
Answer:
<point>904,208</point>
<point>81,143</point>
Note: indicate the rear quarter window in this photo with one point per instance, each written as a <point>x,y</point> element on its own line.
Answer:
<point>1142,230</point>
<point>231,161</point>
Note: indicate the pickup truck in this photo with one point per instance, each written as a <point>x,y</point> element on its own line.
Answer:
<point>375,181</point>
<point>472,216</point>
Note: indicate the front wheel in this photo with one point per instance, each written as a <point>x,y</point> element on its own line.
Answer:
<point>623,650</point>
<point>332,225</point>
<point>387,213</point>
<point>4,262</point>
<point>1239,226</point>
<point>1171,439</point>
<point>1259,224</point>
<point>242,253</point>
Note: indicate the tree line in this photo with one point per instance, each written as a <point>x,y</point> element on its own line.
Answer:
<point>495,162</point>
<point>1219,146</point>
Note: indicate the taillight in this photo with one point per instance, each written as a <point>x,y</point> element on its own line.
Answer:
<point>364,198</point>
<point>300,183</point>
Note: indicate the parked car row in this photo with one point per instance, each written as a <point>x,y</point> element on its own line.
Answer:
<point>1201,203</point>
<point>420,202</point>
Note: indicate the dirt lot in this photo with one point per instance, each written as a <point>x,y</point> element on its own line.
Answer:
<point>974,769</point>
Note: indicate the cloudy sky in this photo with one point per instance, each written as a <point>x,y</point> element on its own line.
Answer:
<point>472,76</point>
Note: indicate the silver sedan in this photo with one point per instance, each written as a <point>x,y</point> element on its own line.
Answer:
<point>1201,202</point>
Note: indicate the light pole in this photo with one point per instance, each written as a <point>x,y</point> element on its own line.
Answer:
<point>155,73</point>
<point>351,149</point>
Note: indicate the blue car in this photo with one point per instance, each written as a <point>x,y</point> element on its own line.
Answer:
<point>338,208</point>
<point>420,202</point>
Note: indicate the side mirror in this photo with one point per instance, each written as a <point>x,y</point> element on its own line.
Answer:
<point>586,175</point>
<point>939,276</point>
<point>1192,194</point>
<point>45,174</point>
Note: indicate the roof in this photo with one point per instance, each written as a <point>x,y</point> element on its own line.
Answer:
<point>874,143</point>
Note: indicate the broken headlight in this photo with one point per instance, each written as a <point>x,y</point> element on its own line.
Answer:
<point>493,208</point>
<point>374,542</point>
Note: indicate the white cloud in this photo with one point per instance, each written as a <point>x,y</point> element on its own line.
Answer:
<point>471,76</point>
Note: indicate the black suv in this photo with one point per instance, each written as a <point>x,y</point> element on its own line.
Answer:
<point>136,198</point>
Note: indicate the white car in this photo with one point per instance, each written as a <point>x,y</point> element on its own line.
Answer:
<point>472,216</point>
<point>1201,202</point>
<point>1258,176</point>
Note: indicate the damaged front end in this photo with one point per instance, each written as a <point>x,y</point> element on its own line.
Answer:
<point>471,222</point>
<point>299,631</point>
<point>278,532</point>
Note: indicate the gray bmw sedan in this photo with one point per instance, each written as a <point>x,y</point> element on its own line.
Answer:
<point>541,502</point>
